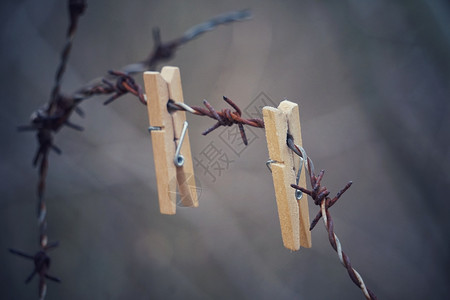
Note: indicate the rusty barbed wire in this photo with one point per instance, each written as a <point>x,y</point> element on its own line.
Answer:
<point>166,51</point>
<point>45,120</point>
<point>50,118</point>
<point>161,52</point>
<point>224,118</point>
<point>320,195</point>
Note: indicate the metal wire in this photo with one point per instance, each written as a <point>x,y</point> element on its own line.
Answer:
<point>76,9</point>
<point>165,51</point>
<point>320,196</point>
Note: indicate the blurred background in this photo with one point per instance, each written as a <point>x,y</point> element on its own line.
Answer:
<point>372,81</point>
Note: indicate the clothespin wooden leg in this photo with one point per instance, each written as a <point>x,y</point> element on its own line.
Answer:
<point>293,213</point>
<point>166,130</point>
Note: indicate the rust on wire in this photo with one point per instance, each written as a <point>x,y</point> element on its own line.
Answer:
<point>320,195</point>
<point>76,9</point>
<point>225,117</point>
<point>124,84</point>
<point>162,51</point>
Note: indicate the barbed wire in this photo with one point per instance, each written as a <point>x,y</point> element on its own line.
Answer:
<point>50,118</point>
<point>76,9</point>
<point>224,118</point>
<point>45,120</point>
<point>320,195</point>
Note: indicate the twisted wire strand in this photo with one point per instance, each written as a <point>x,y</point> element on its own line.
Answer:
<point>76,9</point>
<point>320,195</point>
<point>336,244</point>
<point>41,260</point>
<point>42,208</point>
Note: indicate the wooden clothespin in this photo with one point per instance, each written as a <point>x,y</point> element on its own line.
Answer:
<point>293,213</point>
<point>170,139</point>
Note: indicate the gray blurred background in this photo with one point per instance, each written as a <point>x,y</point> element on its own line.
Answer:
<point>372,82</point>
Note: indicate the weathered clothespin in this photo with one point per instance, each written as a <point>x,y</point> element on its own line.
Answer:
<point>170,139</point>
<point>293,212</point>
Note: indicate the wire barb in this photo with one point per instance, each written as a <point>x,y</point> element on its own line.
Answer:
<point>124,84</point>
<point>41,266</point>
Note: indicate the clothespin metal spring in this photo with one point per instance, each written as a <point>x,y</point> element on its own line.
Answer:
<point>178,160</point>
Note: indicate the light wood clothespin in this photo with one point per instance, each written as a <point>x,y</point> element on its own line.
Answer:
<point>173,163</point>
<point>293,213</point>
